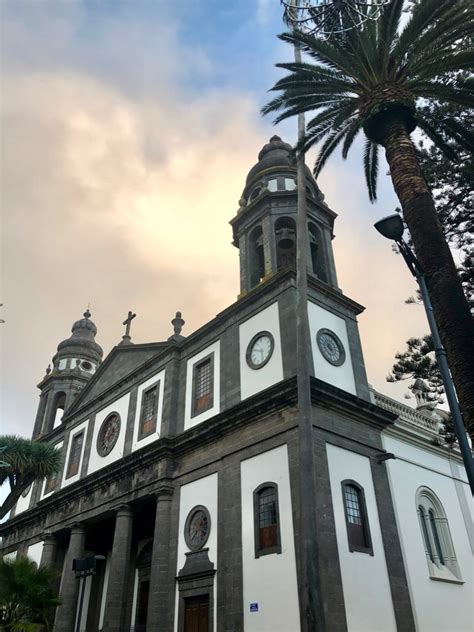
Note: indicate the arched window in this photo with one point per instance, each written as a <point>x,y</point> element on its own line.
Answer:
<point>357,522</point>
<point>285,238</point>
<point>439,549</point>
<point>317,252</point>
<point>256,256</point>
<point>58,409</point>
<point>266,519</point>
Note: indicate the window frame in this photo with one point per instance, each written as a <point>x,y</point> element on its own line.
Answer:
<point>436,538</point>
<point>356,548</point>
<point>208,358</point>
<point>259,551</point>
<point>68,467</point>
<point>141,433</point>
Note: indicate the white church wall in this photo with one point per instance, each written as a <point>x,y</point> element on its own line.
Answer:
<point>438,605</point>
<point>253,381</point>
<point>23,503</point>
<point>34,552</point>
<point>120,406</point>
<point>139,443</point>
<point>340,376</point>
<point>191,420</point>
<point>270,580</point>
<point>365,579</point>
<point>200,492</point>
<point>57,446</point>
<point>74,431</point>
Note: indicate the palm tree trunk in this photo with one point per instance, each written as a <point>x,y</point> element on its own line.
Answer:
<point>451,310</point>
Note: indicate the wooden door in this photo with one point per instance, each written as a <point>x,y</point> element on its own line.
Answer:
<point>196,614</point>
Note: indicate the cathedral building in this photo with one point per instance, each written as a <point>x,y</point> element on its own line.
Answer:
<point>181,489</point>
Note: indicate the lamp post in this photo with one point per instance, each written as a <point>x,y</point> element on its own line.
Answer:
<point>83,568</point>
<point>392,228</point>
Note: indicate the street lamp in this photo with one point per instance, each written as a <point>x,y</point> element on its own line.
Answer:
<point>83,568</point>
<point>392,228</point>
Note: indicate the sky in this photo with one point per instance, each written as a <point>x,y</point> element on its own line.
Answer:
<point>127,131</point>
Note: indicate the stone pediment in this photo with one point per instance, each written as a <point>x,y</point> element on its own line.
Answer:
<point>121,362</point>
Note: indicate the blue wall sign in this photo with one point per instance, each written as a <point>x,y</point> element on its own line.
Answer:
<point>254,607</point>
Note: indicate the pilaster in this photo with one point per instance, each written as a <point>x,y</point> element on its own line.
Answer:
<point>119,568</point>
<point>162,586</point>
<point>66,612</point>
<point>50,546</point>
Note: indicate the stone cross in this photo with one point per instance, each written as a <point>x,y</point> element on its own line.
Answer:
<point>127,322</point>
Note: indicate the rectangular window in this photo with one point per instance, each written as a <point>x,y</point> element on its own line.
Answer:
<point>75,454</point>
<point>203,385</point>
<point>149,411</point>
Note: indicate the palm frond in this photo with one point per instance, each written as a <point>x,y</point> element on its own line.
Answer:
<point>371,167</point>
<point>437,139</point>
<point>350,136</point>
<point>387,29</point>
<point>335,137</point>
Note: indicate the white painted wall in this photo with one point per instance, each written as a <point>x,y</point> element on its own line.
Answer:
<point>10,556</point>
<point>340,376</point>
<point>189,420</point>
<point>74,431</point>
<point>365,579</point>
<point>438,605</point>
<point>200,492</point>
<point>159,377</point>
<point>34,552</point>
<point>253,381</point>
<point>23,503</point>
<point>58,446</point>
<point>269,580</point>
<point>120,406</point>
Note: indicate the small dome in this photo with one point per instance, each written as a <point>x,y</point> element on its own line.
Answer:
<point>276,156</point>
<point>82,342</point>
<point>276,153</point>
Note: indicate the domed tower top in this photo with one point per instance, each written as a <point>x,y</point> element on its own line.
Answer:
<point>75,362</point>
<point>264,229</point>
<point>79,350</point>
<point>275,158</point>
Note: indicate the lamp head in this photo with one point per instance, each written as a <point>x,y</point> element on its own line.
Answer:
<point>390,227</point>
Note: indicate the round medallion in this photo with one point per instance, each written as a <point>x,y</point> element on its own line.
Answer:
<point>108,434</point>
<point>197,528</point>
<point>260,350</point>
<point>331,347</point>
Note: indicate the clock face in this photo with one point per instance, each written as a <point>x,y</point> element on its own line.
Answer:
<point>331,347</point>
<point>108,434</point>
<point>197,528</point>
<point>260,350</point>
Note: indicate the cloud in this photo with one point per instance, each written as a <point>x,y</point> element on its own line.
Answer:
<point>118,182</point>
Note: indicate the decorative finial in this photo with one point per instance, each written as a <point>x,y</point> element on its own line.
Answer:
<point>126,338</point>
<point>177,323</point>
<point>87,313</point>
<point>48,369</point>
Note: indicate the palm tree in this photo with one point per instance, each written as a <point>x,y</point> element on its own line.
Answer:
<point>27,596</point>
<point>24,461</point>
<point>376,80</point>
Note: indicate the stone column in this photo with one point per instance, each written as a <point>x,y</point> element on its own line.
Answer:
<point>48,556</point>
<point>119,567</point>
<point>162,594</point>
<point>66,612</point>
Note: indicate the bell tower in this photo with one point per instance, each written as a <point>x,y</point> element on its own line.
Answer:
<point>75,362</point>
<point>264,229</point>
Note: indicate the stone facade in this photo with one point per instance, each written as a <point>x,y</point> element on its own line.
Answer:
<point>132,492</point>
